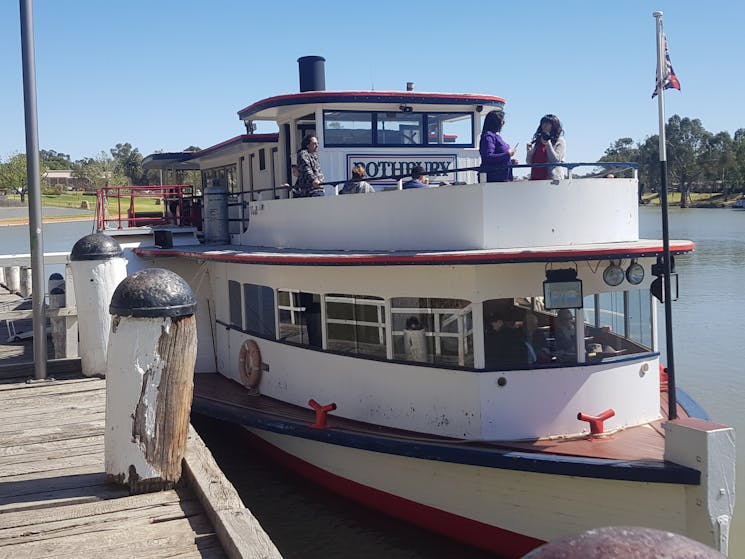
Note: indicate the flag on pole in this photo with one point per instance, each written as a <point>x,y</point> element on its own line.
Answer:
<point>669,79</point>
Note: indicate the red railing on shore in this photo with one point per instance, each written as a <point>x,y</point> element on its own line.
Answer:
<point>116,206</point>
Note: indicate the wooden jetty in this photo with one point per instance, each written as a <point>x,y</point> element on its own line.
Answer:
<point>55,500</point>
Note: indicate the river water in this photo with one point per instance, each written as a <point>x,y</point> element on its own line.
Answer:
<point>306,521</point>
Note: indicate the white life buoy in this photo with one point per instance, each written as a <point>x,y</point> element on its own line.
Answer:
<point>249,364</point>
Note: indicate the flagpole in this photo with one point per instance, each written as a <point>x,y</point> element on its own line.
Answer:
<point>671,395</point>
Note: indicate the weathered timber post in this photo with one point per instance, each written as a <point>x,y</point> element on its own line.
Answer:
<point>59,332</point>
<point>25,282</point>
<point>56,291</point>
<point>13,278</point>
<point>152,351</point>
<point>97,268</point>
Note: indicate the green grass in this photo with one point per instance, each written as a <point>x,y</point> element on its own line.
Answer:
<point>76,199</point>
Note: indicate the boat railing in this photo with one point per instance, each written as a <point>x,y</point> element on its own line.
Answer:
<point>601,169</point>
<point>121,207</point>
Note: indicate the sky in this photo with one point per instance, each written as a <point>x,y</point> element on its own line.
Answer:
<point>164,74</point>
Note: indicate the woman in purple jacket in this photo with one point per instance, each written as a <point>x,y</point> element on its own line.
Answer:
<point>496,155</point>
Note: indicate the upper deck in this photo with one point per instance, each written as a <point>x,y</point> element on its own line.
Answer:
<point>518,215</point>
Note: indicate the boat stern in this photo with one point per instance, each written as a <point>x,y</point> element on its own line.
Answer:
<point>709,448</point>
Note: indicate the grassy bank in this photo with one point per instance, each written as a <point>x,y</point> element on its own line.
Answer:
<point>85,203</point>
<point>697,199</point>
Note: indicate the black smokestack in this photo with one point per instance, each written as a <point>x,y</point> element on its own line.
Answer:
<point>312,73</point>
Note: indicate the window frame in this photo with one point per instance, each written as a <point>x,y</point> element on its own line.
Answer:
<point>374,119</point>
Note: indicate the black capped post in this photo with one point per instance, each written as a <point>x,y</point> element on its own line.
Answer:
<point>97,268</point>
<point>151,357</point>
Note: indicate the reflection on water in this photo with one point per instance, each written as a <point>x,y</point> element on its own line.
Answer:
<point>307,522</point>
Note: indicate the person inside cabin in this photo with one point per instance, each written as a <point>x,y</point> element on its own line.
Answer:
<point>535,340</point>
<point>418,178</point>
<point>172,199</point>
<point>496,155</point>
<point>310,304</point>
<point>548,146</point>
<point>504,340</point>
<point>358,184</point>
<point>310,176</point>
<point>565,336</point>
<point>415,340</point>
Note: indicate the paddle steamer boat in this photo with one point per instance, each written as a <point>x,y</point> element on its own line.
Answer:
<point>378,343</point>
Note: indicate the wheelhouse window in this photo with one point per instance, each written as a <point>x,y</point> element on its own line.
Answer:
<point>299,317</point>
<point>433,330</point>
<point>348,128</point>
<point>258,309</point>
<point>397,128</point>
<point>449,129</point>
<point>356,324</point>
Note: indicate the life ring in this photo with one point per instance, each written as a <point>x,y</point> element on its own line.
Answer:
<point>249,364</point>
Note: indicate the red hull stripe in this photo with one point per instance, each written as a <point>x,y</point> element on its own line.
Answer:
<point>503,543</point>
<point>420,258</point>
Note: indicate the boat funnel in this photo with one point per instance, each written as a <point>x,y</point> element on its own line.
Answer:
<point>312,73</point>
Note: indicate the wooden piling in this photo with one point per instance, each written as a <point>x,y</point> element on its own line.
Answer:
<point>97,266</point>
<point>13,278</point>
<point>151,356</point>
<point>25,282</point>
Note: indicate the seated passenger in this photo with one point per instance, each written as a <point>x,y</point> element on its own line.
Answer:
<point>418,178</point>
<point>415,340</point>
<point>565,336</point>
<point>357,185</point>
<point>504,341</point>
<point>535,341</point>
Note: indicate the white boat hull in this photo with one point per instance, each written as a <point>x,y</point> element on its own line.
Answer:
<point>504,511</point>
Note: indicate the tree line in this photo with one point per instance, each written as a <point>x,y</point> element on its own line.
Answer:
<point>121,166</point>
<point>697,160</point>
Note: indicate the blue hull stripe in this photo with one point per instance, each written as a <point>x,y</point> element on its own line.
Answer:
<point>652,471</point>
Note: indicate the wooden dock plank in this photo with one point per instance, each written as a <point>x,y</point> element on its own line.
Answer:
<point>108,541</point>
<point>55,500</point>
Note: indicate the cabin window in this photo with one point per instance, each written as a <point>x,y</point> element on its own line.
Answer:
<point>432,330</point>
<point>234,301</point>
<point>258,307</point>
<point>299,317</point>
<point>618,323</point>
<point>262,159</point>
<point>506,334</point>
<point>356,324</point>
<point>347,128</point>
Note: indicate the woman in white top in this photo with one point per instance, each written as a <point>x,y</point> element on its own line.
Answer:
<point>548,146</point>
